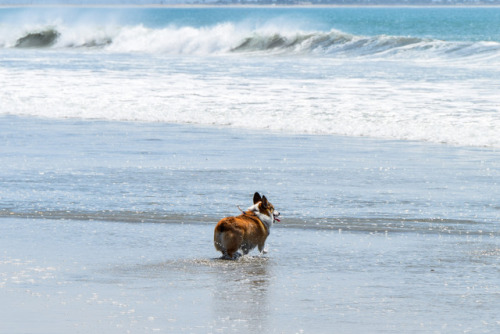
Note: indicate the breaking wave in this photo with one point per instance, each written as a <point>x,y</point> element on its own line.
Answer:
<point>40,39</point>
<point>228,38</point>
<point>333,42</point>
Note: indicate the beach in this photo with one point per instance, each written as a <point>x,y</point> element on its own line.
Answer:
<point>128,133</point>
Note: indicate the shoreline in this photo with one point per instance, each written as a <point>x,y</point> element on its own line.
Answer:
<point>349,225</point>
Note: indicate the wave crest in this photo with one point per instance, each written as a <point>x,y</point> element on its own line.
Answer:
<point>230,38</point>
<point>38,39</point>
<point>333,42</point>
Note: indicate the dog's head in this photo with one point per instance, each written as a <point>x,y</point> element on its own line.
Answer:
<point>264,209</point>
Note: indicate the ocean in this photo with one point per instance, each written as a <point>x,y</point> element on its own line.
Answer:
<point>128,132</point>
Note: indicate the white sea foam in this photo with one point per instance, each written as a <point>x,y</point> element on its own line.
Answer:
<point>332,97</point>
<point>268,77</point>
<point>173,40</point>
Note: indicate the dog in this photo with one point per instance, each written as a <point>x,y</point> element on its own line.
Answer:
<point>246,231</point>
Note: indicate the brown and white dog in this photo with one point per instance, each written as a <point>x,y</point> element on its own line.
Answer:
<point>246,231</point>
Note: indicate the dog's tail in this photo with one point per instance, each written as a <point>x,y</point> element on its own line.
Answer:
<point>219,229</point>
<point>226,239</point>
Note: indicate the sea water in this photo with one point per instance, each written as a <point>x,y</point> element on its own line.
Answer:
<point>410,74</point>
<point>127,133</point>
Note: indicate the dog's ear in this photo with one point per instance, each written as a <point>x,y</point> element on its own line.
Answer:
<point>265,203</point>
<point>256,198</point>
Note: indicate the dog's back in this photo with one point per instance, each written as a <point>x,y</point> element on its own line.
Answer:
<point>245,231</point>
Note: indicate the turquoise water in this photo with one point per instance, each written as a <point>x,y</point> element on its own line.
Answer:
<point>449,24</point>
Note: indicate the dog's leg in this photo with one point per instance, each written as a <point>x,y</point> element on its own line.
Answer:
<point>234,256</point>
<point>232,240</point>
<point>262,248</point>
<point>232,253</point>
<point>245,249</point>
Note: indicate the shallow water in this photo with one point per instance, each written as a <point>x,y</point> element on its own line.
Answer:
<point>378,236</point>
<point>117,278</point>
<point>158,172</point>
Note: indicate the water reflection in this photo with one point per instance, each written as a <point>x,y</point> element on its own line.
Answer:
<point>240,296</point>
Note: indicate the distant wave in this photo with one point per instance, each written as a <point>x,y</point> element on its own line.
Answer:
<point>333,42</point>
<point>40,39</point>
<point>337,43</point>
<point>228,38</point>
<point>50,37</point>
